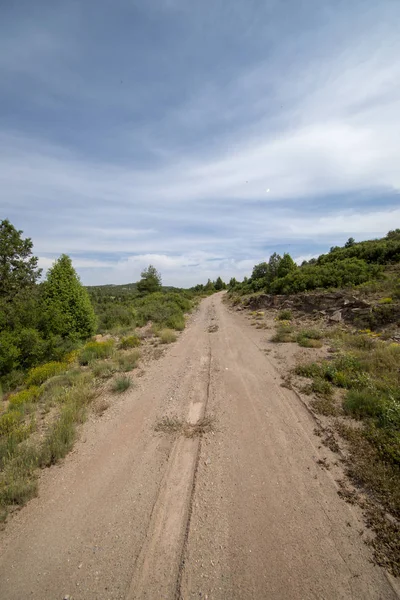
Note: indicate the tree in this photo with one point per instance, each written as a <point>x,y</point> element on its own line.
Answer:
<point>67,307</point>
<point>18,268</point>
<point>260,271</point>
<point>286,266</point>
<point>232,283</point>
<point>150,280</point>
<point>273,266</point>
<point>350,242</point>
<point>219,284</point>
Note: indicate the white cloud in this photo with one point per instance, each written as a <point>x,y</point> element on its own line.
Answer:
<point>319,128</point>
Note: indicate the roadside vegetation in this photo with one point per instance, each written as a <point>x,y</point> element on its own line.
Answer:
<point>54,369</point>
<point>354,379</point>
<point>364,264</point>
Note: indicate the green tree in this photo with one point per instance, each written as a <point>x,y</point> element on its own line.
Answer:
<point>18,268</point>
<point>67,307</point>
<point>260,271</point>
<point>150,281</point>
<point>286,266</point>
<point>350,242</point>
<point>232,283</point>
<point>219,284</point>
<point>273,266</point>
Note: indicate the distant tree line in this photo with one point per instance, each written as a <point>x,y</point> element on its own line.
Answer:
<point>352,264</point>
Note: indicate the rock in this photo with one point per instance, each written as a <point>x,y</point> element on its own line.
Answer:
<point>336,316</point>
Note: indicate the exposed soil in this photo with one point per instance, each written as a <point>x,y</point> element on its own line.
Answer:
<point>245,507</point>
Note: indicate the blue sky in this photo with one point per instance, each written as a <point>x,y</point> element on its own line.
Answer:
<point>149,131</point>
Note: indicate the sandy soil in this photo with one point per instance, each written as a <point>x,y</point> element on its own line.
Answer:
<point>244,512</point>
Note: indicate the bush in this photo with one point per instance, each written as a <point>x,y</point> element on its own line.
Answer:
<point>103,369</point>
<point>128,362</point>
<point>121,384</point>
<point>40,374</point>
<point>9,421</point>
<point>284,334</point>
<point>363,403</point>
<point>285,315</point>
<point>167,336</point>
<point>321,387</point>
<point>131,341</point>
<point>306,342</point>
<point>95,350</point>
<point>27,396</point>
<point>176,322</point>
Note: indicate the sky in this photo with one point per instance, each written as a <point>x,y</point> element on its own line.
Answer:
<point>197,136</point>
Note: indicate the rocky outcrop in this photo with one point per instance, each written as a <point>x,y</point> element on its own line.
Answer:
<point>334,306</point>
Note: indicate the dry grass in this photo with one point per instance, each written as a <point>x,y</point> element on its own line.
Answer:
<point>100,406</point>
<point>167,336</point>
<point>176,426</point>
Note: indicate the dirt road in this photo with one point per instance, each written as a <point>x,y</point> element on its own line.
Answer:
<point>244,512</point>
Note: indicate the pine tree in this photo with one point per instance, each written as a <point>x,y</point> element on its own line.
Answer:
<point>18,268</point>
<point>67,305</point>
<point>150,280</point>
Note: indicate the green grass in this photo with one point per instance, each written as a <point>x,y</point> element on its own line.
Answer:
<point>167,336</point>
<point>121,384</point>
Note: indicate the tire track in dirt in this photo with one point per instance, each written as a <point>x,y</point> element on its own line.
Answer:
<point>159,565</point>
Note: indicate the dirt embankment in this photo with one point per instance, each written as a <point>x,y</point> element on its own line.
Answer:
<point>334,306</point>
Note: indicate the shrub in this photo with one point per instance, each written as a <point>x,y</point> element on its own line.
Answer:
<point>40,374</point>
<point>128,362</point>
<point>285,315</point>
<point>121,384</point>
<point>306,342</point>
<point>131,341</point>
<point>9,421</point>
<point>363,403</point>
<point>176,322</point>
<point>167,336</point>
<point>321,387</point>
<point>31,394</point>
<point>95,350</point>
<point>103,369</point>
<point>284,334</point>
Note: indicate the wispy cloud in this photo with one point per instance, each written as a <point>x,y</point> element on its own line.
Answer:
<point>162,149</point>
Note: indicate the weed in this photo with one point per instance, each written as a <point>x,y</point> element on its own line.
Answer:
<point>103,369</point>
<point>128,362</point>
<point>132,341</point>
<point>175,426</point>
<point>306,342</point>
<point>121,384</point>
<point>386,300</point>
<point>24,397</point>
<point>95,350</point>
<point>285,315</point>
<point>167,336</point>
<point>283,334</point>
<point>321,387</point>
<point>101,406</point>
